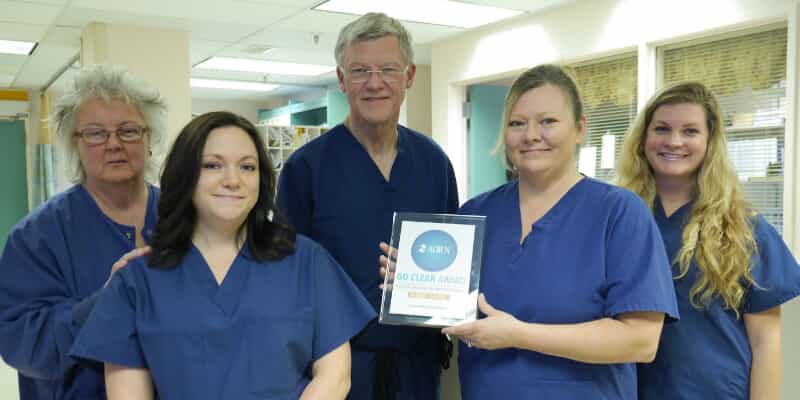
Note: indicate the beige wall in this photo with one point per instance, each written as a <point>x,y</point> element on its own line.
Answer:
<point>8,383</point>
<point>160,57</point>
<point>418,101</point>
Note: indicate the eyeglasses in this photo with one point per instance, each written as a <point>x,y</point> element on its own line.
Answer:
<point>125,134</point>
<point>388,74</point>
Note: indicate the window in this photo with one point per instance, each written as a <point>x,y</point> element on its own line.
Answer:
<point>609,92</point>
<point>748,75</point>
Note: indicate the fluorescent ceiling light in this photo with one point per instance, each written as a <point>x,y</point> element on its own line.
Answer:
<point>439,12</point>
<point>15,47</point>
<point>267,67</point>
<point>235,85</point>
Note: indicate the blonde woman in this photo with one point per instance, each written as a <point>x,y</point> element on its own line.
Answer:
<point>575,283</point>
<point>731,269</point>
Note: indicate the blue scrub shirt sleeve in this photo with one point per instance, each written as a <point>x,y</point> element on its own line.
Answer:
<point>294,194</point>
<point>775,270</point>
<point>110,334</point>
<point>638,276</point>
<point>36,309</point>
<point>340,310</point>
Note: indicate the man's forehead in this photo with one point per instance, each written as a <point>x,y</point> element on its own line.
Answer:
<point>381,49</point>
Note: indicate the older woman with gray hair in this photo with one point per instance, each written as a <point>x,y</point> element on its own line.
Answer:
<point>59,256</point>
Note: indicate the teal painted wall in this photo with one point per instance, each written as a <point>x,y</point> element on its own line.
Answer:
<point>292,108</point>
<point>485,169</point>
<point>13,180</point>
<point>331,110</point>
<point>317,116</point>
<point>338,107</point>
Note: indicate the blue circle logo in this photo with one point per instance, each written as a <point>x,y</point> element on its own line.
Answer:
<point>434,250</point>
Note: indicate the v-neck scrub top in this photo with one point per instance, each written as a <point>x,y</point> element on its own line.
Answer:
<point>331,190</point>
<point>596,253</point>
<point>707,354</point>
<point>255,336</point>
<point>53,265</point>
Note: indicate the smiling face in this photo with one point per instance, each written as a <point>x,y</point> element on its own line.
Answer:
<point>113,161</point>
<point>375,102</point>
<point>677,140</point>
<point>542,133</point>
<point>228,185</point>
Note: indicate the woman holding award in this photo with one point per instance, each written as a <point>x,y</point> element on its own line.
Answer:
<point>575,281</point>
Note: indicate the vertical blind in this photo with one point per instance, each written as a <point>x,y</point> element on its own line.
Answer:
<point>609,91</point>
<point>748,76</point>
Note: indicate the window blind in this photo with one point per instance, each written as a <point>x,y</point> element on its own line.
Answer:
<point>748,76</point>
<point>609,91</point>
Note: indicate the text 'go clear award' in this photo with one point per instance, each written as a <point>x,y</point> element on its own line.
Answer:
<point>434,269</point>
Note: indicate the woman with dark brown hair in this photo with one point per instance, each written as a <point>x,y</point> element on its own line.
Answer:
<point>230,304</point>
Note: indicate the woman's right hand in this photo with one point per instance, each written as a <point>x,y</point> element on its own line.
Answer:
<point>127,257</point>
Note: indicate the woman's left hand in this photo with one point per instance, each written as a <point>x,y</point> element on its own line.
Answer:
<point>496,331</point>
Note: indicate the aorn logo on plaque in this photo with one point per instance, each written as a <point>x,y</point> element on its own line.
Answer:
<point>434,250</point>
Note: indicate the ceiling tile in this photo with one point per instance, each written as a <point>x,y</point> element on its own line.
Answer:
<point>44,64</point>
<point>223,32</point>
<point>49,2</point>
<point>522,5</point>
<point>226,11</point>
<point>29,13</point>
<point>328,22</point>
<point>199,50</point>
<point>22,31</point>
<point>63,36</point>
<point>294,3</point>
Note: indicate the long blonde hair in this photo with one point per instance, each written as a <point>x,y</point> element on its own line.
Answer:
<point>718,234</point>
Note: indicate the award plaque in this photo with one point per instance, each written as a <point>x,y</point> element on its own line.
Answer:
<point>433,270</point>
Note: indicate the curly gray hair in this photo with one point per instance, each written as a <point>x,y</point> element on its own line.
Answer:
<point>107,82</point>
<point>373,26</point>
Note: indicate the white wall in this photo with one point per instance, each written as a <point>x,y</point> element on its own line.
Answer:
<point>590,29</point>
<point>245,108</point>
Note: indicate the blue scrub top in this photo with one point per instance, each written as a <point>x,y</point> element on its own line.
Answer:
<point>254,336</point>
<point>54,263</point>
<point>331,190</point>
<point>596,253</point>
<point>707,354</point>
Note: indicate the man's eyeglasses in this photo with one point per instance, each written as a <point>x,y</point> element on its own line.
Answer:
<point>388,74</point>
<point>125,134</point>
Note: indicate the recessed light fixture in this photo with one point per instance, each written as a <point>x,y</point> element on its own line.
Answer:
<point>17,47</point>
<point>267,67</point>
<point>439,12</point>
<point>235,85</point>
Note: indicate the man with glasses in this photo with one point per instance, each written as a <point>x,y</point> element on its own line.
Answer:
<point>342,189</point>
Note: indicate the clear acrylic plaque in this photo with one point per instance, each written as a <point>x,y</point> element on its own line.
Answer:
<point>434,270</point>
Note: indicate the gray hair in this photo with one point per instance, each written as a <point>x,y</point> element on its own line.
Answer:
<point>373,26</point>
<point>108,83</point>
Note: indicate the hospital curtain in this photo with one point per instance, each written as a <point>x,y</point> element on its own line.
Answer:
<point>43,179</point>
